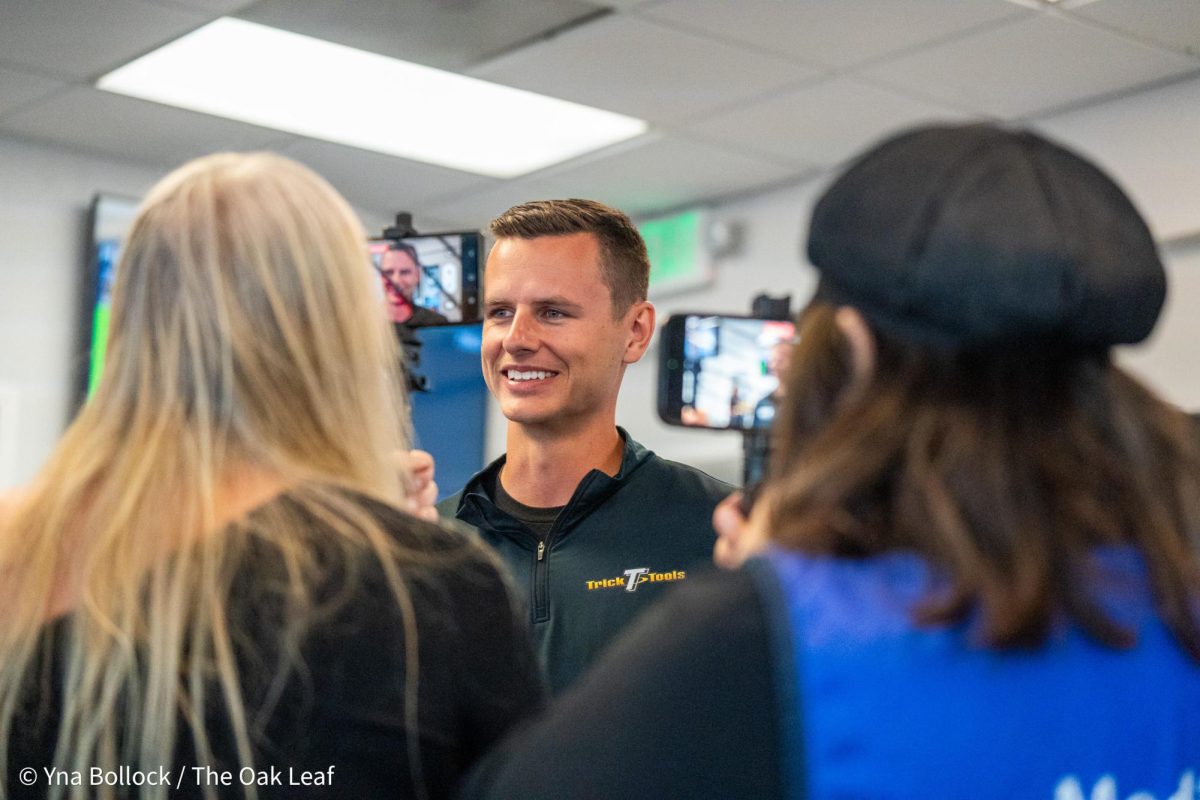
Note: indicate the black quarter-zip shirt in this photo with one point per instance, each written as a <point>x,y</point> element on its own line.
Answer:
<point>617,546</point>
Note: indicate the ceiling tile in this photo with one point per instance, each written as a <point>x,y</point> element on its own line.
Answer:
<point>1149,143</point>
<point>476,208</point>
<point>82,39</point>
<point>91,120</point>
<point>17,88</point>
<point>1174,23</point>
<point>384,183</point>
<point>437,33</point>
<point>630,5</point>
<point>1033,65</point>
<point>821,124</point>
<point>637,67</point>
<point>663,173</point>
<point>835,34</point>
<point>209,6</point>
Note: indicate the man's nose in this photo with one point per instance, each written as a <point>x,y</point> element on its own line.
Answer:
<point>522,333</point>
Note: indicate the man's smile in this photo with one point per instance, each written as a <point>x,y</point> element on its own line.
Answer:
<point>515,375</point>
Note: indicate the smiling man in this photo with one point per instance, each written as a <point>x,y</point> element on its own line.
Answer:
<point>593,525</point>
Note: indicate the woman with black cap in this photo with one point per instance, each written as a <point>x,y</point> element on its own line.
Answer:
<point>976,568</point>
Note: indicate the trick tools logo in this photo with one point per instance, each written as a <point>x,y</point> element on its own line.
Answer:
<point>633,578</point>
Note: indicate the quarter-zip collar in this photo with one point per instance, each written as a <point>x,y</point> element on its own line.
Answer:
<point>477,509</point>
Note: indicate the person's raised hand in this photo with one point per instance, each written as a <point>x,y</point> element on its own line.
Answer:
<point>420,489</point>
<point>738,538</point>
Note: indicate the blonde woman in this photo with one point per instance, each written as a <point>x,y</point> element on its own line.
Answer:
<point>209,585</point>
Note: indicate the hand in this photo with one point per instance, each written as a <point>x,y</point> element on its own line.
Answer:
<point>421,491</point>
<point>738,538</point>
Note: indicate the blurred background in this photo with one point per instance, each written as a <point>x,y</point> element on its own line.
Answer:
<point>746,109</point>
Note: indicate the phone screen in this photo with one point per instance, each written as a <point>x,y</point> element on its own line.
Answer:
<point>722,371</point>
<point>429,280</point>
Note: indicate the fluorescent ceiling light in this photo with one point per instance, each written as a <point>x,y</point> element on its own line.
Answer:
<point>294,83</point>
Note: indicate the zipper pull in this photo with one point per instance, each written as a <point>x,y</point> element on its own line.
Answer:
<point>541,550</point>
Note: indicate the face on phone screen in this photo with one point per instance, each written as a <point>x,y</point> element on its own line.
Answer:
<point>428,280</point>
<point>728,370</point>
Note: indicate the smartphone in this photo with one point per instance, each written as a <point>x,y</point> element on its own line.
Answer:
<point>429,279</point>
<point>722,372</point>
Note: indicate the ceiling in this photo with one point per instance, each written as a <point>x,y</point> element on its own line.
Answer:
<point>741,95</point>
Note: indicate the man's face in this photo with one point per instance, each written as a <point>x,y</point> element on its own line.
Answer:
<point>552,353</point>
<point>399,269</point>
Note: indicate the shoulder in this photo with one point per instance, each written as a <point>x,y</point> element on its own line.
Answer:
<point>423,316</point>
<point>447,548</point>
<point>447,508</point>
<point>646,466</point>
<point>371,542</point>
<point>676,477</point>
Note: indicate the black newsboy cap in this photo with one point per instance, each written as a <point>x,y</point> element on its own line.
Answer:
<point>977,236</point>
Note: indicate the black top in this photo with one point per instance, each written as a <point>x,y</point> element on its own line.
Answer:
<point>423,317</point>
<point>617,546</point>
<point>538,519</point>
<point>344,707</point>
<point>682,705</point>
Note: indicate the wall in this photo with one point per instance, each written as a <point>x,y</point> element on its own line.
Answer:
<point>1169,360</point>
<point>44,196</point>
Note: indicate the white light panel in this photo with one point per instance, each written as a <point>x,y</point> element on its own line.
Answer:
<point>277,79</point>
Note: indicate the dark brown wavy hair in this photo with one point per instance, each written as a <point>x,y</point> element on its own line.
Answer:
<point>1005,469</point>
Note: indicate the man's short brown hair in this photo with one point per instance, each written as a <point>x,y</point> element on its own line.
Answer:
<point>624,264</point>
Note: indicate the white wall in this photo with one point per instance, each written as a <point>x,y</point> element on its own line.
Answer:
<point>44,195</point>
<point>1170,360</point>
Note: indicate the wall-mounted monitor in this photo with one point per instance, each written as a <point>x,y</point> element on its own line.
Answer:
<point>109,218</point>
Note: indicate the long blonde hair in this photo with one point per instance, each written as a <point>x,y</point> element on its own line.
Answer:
<point>246,338</point>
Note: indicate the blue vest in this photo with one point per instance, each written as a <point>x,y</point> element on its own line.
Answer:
<point>874,707</point>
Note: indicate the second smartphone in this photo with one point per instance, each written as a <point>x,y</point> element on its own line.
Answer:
<point>721,371</point>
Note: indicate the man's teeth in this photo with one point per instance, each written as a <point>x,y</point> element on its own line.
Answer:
<point>532,375</point>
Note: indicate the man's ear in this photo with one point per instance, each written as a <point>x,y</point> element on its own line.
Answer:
<point>639,327</point>
<point>853,325</point>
